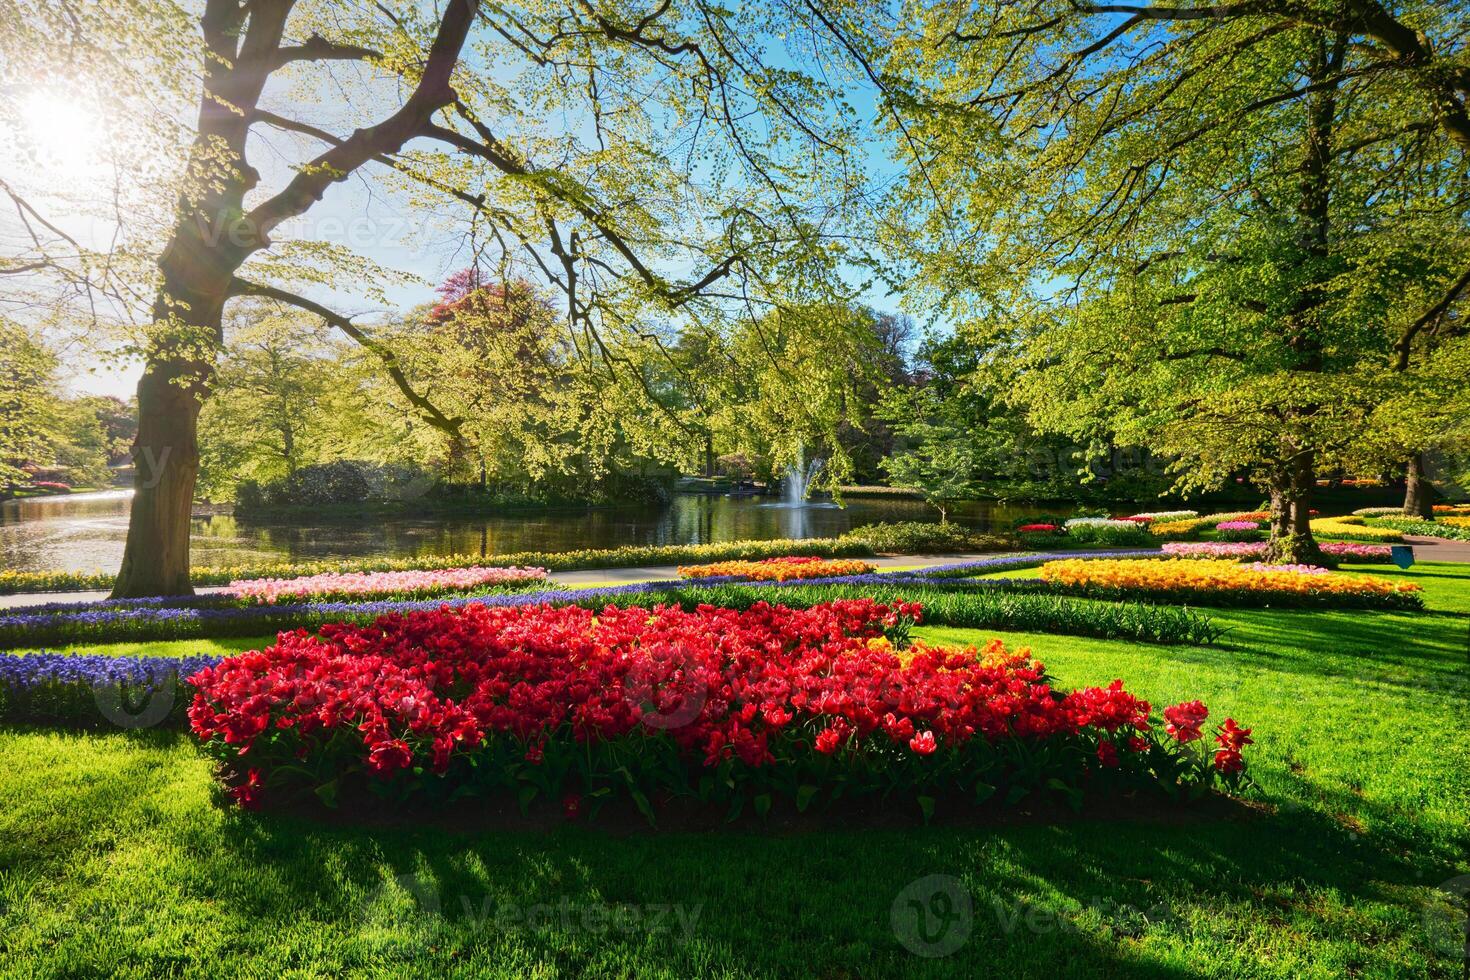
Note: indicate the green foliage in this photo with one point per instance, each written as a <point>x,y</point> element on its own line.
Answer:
<point>793,385</point>
<point>40,428</point>
<point>938,458</point>
<point>285,396</point>
<point>917,538</point>
<point>1201,232</point>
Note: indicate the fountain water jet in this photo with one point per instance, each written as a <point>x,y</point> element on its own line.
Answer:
<point>797,482</point>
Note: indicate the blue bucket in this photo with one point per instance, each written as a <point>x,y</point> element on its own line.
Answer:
<point>1402,555</point>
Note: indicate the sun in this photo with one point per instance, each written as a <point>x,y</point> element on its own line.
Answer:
<point>60,134</point>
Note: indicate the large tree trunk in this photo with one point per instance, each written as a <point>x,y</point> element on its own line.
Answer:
<point>166,464</point>
<point>185,335</point>
<point>1292,541</point>
<point>1296,479</point>
<point>1419,492</point>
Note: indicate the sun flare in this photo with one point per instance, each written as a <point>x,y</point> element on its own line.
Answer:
<point>60,134</point>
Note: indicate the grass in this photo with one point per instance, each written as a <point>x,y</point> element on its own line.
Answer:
<point>220,647</point>
<point>116,857</point>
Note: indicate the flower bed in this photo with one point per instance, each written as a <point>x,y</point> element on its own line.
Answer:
<point>1353,527</point>
<point>1438,528</point>
<point>1106,532</point>
<point>408,585</point>
<point>1238,530</point>
<point>754,708</point>
<point>559,561</point>
<point>1225,583</point>
<point>1167,515</point>
<point>1344,551</point>
<point>920,537</point>
<point>995,604</point>
<point>81,689</point>
<point>781,569</point>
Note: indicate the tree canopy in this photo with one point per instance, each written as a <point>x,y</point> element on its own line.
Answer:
<point>1204,230</point>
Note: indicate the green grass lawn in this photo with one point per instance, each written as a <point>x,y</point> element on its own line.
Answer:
<point>116,857</point>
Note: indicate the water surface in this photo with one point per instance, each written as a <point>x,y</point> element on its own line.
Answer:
<point>85,532</point>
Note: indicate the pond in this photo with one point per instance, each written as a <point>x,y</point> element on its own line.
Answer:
<point>86,531</point>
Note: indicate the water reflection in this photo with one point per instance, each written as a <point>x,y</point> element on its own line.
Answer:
<point>86,531</point>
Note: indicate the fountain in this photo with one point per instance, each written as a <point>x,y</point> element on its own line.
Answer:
<point>797,482</point>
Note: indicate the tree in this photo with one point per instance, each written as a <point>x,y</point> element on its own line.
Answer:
<point>938,454</point>
<point>525,415</point>
<point>27,373</point>
<point>77,442</point>
<point>961,394</point>
<point>276,400</point>
<point>1187,226</point>
<point>119,422</point>
<point>650,163</point>
<point>793,386</point>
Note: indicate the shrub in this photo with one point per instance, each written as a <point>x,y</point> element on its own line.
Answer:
<point>917,537</point>
<point>1225,583</point>
<point>343,481</point>
<point>718,706</point>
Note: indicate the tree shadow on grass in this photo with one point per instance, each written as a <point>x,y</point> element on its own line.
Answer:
<point>1293,891</point>
<point>1075,899</point>
<point>1355,645</point>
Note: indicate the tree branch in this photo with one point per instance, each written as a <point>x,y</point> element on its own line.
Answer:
<point>318,48</point>
<point>1405,344</point>
<point>427,409</point>
<point>433,93</point>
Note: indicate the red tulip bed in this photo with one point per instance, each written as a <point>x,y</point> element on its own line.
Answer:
<point>766,706</point>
